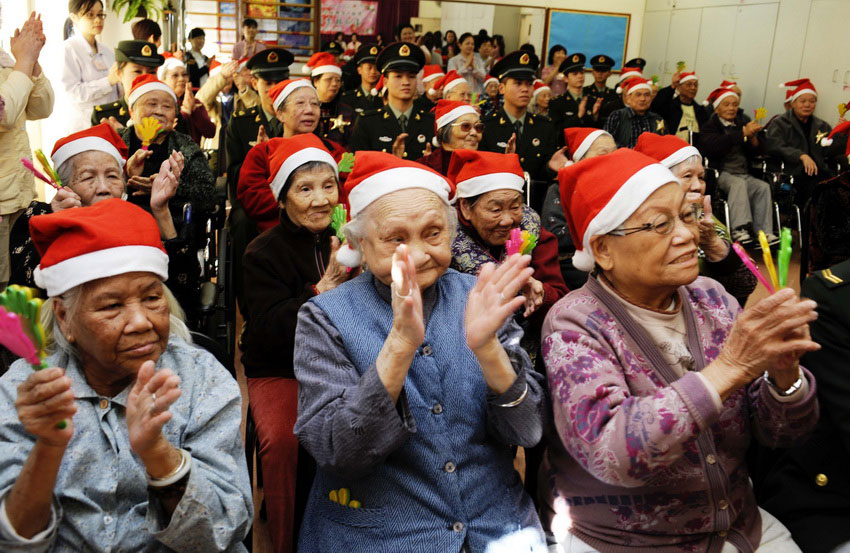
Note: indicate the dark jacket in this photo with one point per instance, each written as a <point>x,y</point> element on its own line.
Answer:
<point>787,139</point>
<point>619,125</point>
<point>670,108</point>
<point>438,160</point>
<point>715,142</point>
<point>377,130</point>
<point>281,267</point>
<point>808,487</point>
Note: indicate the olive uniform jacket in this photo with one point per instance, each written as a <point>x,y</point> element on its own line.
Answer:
<point>378,130</point>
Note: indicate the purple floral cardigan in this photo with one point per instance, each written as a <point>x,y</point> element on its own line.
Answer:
<point>644,459</point>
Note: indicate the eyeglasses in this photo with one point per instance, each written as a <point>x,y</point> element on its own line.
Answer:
<point>663,224</point>
<point>92,16</point>
<point>466,126</point>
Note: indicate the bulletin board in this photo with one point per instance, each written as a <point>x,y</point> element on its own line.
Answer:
<point>589,33</point>
<point>349,16</point>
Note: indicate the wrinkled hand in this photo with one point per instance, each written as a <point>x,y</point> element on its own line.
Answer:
<point>147,407</point>
<point>533,292</point>
<point>44,400</point>
<point>674,82</point>
<point>399,146</point>
<point>164,184</point>
<point>511,146</point>
<point>752,128</point>
<point>494,298</point>
<point>229,68</point>
<point>26,43</point>
<point>142,185</point>
<point>558,160</point>
<point>769,335</point>
<point>261,136</point>
<point>65,198</point>
<point>715,248</point>
<point>428,149</point>
<point>136,164</point>
<point>335,272</point>
<point>188,99</point>
<point>809,165</point>
<point>408,317</point>
<point>113,122</point>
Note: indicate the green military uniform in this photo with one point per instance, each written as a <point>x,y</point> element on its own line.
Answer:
<point>378,130</point>
<point>361,101</point>
<point>139,52</point>
<point>271,65</point>
<point>564,109</point>
<point>808,487</point>
<point>611,101</point>
<point>423,103</point>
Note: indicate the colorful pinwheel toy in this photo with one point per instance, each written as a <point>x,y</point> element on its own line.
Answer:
<point>521,242</point>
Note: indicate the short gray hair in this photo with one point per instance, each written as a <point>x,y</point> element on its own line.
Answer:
<point>695,158</point>
<point>444,133</point>
<point>66,170</point>
<point>56,342</point>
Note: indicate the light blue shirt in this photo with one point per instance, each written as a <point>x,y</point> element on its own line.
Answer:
<point>101,501</point>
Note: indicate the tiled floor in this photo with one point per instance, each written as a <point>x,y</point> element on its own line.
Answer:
<point>262,542</point>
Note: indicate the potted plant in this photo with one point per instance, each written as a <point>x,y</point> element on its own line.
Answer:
<point>139,8</point>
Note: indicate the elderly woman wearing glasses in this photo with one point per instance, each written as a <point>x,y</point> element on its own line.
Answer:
<point>458,126</point>
<point>659,380</point>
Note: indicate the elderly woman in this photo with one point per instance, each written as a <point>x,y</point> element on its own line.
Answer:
<point>409,406</point>
<point>149,457</point>
<point>296,105</point>
<point>457,126</point>
<point>150,97</point>
<point>455,88</point>
<point>582,143</point>
<point>91,164</point>
<point>335,117</point>
<point>194,119</point>
<point>540,98</point>
<point>284,267</point>
<point>659,380</point>
<point>717,260</point>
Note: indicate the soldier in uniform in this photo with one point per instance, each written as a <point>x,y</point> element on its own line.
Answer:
<point>335,117</point>
<point>601,66</point>
<point>573,108</point>
<point>399,127</point>
<point>245,129</point>
<point>808,487</point>
<point>361,99</point>
<point>134,58</point>
<point>534,135</point>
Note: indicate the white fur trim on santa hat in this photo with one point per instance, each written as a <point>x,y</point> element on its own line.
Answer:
<point>722,96</point>
<point>289,89</point>
<point>392,180</point>
<point>800,92</point>
<point>679,156</point>
<point>85,144</point>
<point>688,78</point>
<point>620,207</point>
<point>540,89</point>
<point>489,80</point>
<point>433,76</point>
<point>586,144</point>
<point>447,118</point>
<point>487,183</point>
<point>322,69</point>
<point>626,75</point>
<point>167,65</point>
<point>638,87</point>
<point>61,277</point>
<point>348,256</point>
<point>453,83</point>
<point>149,87</point>
<point>295,161</point>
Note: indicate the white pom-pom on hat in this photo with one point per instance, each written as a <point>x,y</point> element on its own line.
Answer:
<point>825,142</point>
<point>348,256</point>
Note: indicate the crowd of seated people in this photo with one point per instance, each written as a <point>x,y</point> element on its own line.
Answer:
<point>442,254</point>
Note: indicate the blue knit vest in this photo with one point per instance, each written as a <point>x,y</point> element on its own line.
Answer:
<point>451,482</point>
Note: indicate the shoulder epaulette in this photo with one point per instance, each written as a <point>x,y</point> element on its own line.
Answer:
<point>835,276</point>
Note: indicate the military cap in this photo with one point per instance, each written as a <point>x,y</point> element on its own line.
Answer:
<point>271,65</point>
<point>636,62</point>
<point>520,65</point>
<point>333,47</point>
<point>139,52</point>
<point>368,53</point>
<point>602,62</point>
<point>401,56</point>
<point>573,62</point>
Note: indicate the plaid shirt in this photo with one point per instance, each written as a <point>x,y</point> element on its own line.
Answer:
<point>648,122</point>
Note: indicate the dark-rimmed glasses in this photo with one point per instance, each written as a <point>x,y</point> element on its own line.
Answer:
<point>662,224</point>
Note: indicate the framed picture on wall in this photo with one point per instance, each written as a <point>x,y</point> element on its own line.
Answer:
<point>590,33</point>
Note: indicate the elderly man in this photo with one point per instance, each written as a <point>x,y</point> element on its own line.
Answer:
<point>675,103</point>
<point>628,123</point>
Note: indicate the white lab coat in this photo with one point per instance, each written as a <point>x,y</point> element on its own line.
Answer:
<point>85,79</point>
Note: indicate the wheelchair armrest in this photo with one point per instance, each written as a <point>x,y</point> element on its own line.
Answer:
<point>207,297</point>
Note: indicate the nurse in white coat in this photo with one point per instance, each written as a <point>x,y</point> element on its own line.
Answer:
<point>89,75</point>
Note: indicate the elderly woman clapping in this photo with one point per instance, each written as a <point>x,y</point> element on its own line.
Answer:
<point>150,457</point>
<point>412,384</point>
<point>659,380</point>
<point>458,126</point>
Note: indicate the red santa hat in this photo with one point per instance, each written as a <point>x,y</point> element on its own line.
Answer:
<point>687,76</point>
<point>669,150</point>
<point>449,81</point>
<point>787,96</point>
<point>718,94</point>
<point>376,174</point>
<point>798,88</point>
<point>281,91</point>
<point>242,63</point>
<point>170,63</point>
<point>101,138</point>
<point>539,86</point>
<point>475,172</point>
<point>635,83</point>
<point>629,72</point>
<point>288,154</point>
<point>600,193</point>
<point>215,67</point>
<point>147,83</point>
<point>379,87</point>
<point>841,128</point>
<point>728,84</point>
<point>490,79</point>
<point>110,238</point>
<point>580,139</point>
<point>447,111</point>
<point>431,72</point>
<point>320,63</point>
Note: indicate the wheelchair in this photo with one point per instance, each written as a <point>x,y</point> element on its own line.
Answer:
<point>719,204</point>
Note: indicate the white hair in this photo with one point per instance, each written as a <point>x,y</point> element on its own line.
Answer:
<point>694,158</point>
